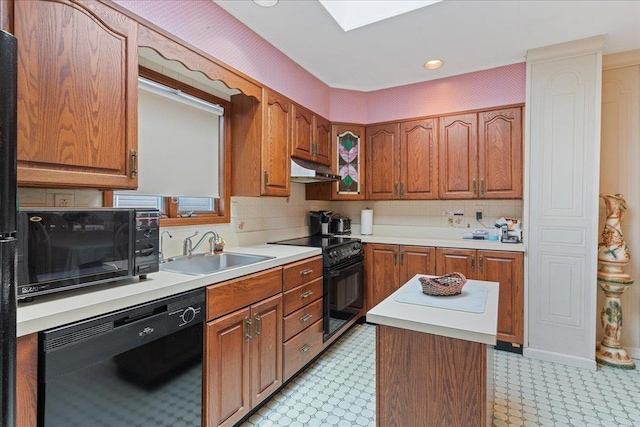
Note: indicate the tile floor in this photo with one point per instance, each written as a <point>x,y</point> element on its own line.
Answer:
<point>339,390</point>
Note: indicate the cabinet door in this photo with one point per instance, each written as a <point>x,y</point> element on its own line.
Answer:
<point>77,95</point>
<point>416,260</point>
<point>458,151</point>
<point>500,154</point>
<point>302,143</point>
<point>381,272</point>
<point>506,268</point>
<point>323,141</point>
<point>276,137</point>
<point>450,260</point>
<point>383,162</point>
<point>227,392</point>
<point>419,160</point>
<point>266,348</point>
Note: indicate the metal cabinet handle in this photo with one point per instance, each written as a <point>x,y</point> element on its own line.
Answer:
<point>307,271</point>
<point>247,328</point>
<point>402,188</point>
<point>475,186</point>
<point>395,188</point>
<point>256,326</point>
<point>306,348</point>
<point>266,178</point>
<point>402,258</point>
<point>133,163</point>
<point>481,185</point>
<point>480,263</point>
<point>395,257</point>
<point>473,263</point>
<point>306,318</point>
<point>306,294</point>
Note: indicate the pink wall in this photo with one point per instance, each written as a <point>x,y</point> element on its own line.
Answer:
<point>207,26</point>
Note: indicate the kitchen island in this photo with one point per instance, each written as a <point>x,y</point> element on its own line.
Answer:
<point>434,365</point>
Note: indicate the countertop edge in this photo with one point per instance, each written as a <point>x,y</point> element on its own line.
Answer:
<point>55,310</point>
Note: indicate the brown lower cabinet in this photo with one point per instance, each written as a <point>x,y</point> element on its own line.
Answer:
<point>390,266</point>
<point>506,268</point>
<point>243,348</point>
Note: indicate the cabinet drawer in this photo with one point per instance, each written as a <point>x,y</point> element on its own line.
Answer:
<point>297,273</point>
<point>300,349</point>
<point>229,296</point>
<point>302,295</point>
<point>301,319</point>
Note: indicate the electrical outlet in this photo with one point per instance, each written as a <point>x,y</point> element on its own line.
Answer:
<point>478,214</point>
<point>450,221</point>
<point>63,200</point>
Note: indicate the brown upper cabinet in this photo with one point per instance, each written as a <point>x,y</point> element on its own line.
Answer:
<point>261,135</point>
<point>77,95</point>
<point>346,154</point>
<point>383,161</point>
<point>310,136</point>
<point>402,160</point>
<point>481,155</point>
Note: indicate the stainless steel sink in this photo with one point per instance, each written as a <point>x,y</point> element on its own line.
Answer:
<point>202,264</point>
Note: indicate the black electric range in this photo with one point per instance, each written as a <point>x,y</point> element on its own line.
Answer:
<point>343,277</point>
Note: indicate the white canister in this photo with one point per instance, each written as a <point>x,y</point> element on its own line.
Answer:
<point>366,221</point>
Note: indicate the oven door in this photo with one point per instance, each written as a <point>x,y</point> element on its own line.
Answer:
<point>343,294</point>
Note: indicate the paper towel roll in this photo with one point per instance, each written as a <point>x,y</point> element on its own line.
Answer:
<point>366,221</point>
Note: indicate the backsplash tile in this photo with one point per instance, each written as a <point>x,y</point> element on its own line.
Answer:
<point>45,197</point>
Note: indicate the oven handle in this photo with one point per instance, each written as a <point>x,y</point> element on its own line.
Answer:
<point>358,262</point>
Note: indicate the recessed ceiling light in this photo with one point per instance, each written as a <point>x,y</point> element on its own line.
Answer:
<point>266,3</point>
<point>433,64</point>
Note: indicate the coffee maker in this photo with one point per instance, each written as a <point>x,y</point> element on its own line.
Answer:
<point>319,222</point>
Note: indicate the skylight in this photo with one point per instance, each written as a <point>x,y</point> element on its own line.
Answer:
<point>352,14</point>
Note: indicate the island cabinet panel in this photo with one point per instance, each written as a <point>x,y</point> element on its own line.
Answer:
<point>77,95</point>
<point>429,380</point>
<point>500,154</point>
<point>506,268</point>
<point>383,161</point>
<point>27,381</point>
<point>458,147</point>
<point>260,152</point>
<point>389,266</point>
<point>419,160</point>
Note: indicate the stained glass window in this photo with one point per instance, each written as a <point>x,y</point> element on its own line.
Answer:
<point>349,163</point>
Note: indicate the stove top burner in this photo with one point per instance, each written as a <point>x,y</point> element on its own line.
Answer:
<point>318,241</point>
<point>335,249</point>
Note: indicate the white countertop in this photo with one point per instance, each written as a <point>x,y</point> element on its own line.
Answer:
<point>489,245</point>
<point>476,327</point>
<point>49,311</point>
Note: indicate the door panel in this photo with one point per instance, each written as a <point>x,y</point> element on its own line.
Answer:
<point>458,148</point>
<point>416,260</point>
<point>275,148</point>
<point>382,277</point>
<point>383,163</point>
<point>456,260</point>
<point>419,160</point>
<point>266,348</point>
<point>302,136</point>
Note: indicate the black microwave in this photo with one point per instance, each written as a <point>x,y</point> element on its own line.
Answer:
<point>61,249</point>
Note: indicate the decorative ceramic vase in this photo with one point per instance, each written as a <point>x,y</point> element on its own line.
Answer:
<point>613,255</point>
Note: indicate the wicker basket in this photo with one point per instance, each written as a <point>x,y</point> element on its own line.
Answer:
<point>447,285</point>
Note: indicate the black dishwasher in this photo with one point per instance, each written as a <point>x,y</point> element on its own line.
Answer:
<point>138,367</point>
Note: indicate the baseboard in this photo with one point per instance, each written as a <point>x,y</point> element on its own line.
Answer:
<point>633,352</point>
<point>578,362</point>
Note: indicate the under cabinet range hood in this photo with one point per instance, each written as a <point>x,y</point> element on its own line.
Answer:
<point>305,171</point>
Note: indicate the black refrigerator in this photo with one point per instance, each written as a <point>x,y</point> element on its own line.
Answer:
<point>8,209</point>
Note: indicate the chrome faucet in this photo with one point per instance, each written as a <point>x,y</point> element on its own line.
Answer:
<point>162,244</point>
<point>188,247</point>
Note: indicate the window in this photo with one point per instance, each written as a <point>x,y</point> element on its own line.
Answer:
<point>184,207</point>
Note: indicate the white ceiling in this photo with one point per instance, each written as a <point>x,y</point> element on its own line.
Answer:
<point>467,35</point>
